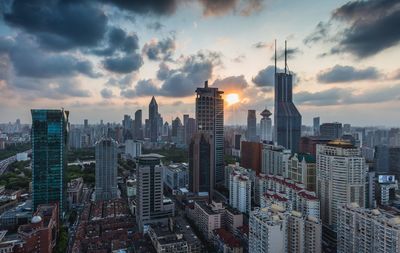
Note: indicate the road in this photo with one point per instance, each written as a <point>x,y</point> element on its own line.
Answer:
<point>6,162</point>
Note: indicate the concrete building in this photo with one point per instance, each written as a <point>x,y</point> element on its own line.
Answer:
<point>138,125</point>
<point>106,187</point>
<point>266,126</point>
<point>316,126</point>
<point>210,119</point>
<point>74,191</point>
<point>274,160</point>
<point>251,134</point>
<point>341,178</point>
<point>302,168</point>
<point>190,130</point>
<point>176,176</point>
<point>149,197</point>
<point>240,191</point>
<point>133,149</point>
<point>207,217</point>
<point>251,155</point>
<point>367,230</point>
<point>331,130</point>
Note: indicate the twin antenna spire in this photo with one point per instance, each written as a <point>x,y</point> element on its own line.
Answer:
<point>285,57</point>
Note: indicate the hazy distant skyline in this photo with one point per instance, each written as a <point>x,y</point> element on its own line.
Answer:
<point>103,59</point>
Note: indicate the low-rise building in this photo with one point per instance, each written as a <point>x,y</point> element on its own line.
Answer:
<point>226,242</point>
<point>176,176</point>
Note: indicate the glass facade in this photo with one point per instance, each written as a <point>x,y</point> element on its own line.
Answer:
<point>49,144</point>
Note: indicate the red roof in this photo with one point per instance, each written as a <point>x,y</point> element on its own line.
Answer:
<point>228,238</point>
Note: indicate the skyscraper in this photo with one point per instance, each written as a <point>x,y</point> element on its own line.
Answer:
<point>190,129</point>
<point>331,130</point>
<point>201,164</point>
<point>341,178</point>
<point>266,125</point>
<point>49,161</point>
<point>153,120</point>
<point>210,119</point>
<point>287,119</point>
<point>106,169</point>
<point>316,122</point>
<point>240,191</point>
<point>138,125</point>
<point>251,126</point>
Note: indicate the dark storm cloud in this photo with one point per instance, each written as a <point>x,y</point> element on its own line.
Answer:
<point>221,7</point>
<point>28,60</point>
<point>340,96</point>
<point>160,50</point>
<point>125,64</point>
<point>106,93</point>
<point>231,83</point>
<point>122,83</point>
<point>347,74</point>
<point>146,88</point>
<point>370,27</point>
<point>164,72</point>
<point>158,7</point>
<point>118,40</point>
<point>265,77</point>
<point>59,25</point>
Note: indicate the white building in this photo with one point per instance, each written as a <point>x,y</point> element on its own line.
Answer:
<point>22,156</point>
<point>341,178</point>
<point>106,169</point>
<point>302,168</point>
<point>240,191</point>
<point>133,149</point>
<point>274,160</point>
<point>363,230</point>
<point>176,176</point>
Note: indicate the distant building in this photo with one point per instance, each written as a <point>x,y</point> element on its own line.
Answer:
<point>138,125</point>
<point>266,126</point>
<point>251,155</point>
<point>341,178</point>
<point>251,134</point>
<point>367,230</point>
<point>133,149</point>
<point>308,144</point>
<point>210,119</point>
<point>74,191</point>
<point>387,160</point>
<point>190,129</point>
<point>274,160</point>
<point>106,187</point>
<point>316,126</point>
<point>49,157</point>
<point>153,120</point>
<point>208,217</point>
<point>302,168</point>
<point>331,130</point>
<point>176,176</point>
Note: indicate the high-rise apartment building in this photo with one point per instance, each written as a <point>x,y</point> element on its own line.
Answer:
<point>331,130</point>
<point>287,119</point>
<point>153,120</point>
<point>201,164</point>
<point>266,125</point>
<point>302,168</point>
<point>341,178</point>
<point>240,191</point>
<point>250,153</point>
<point>274,160</point>
<point>106,169</point>
<point>138,125</point>
<point>363,230</point>
<point>210,119</point>
<point>49,161</point>
<point>251,134</point>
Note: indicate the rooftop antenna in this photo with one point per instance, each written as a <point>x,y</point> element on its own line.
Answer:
<point>275,57</point>
<point>285,56</point>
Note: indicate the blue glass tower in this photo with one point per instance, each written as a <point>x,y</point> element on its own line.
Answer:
<point>49,145</point>
<point>287,119</point>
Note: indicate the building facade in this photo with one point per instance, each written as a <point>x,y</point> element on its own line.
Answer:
<point>106,169</point>
<point>266,126</point>
<point>251,134</point>
<point>153,120</point>
<point>240,191</point>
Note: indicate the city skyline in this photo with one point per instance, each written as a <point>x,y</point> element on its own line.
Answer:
<point>133,51</point>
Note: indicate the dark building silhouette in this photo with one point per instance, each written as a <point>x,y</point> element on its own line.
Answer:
<point>190,129</point>
<point>251,126</point>
<point>138,125</point>
<point>308,144</point>
<point>201,164</point>
<point>387,160</point>
<point>153,120</point>
<point>287,118</point>
<point>250,154</point>
<point>331,130</point>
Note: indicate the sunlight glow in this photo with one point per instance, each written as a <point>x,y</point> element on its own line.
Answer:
<point>232,98</point>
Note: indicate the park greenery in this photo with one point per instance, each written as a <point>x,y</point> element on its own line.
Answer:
<point>82,154</point>
<point>175,155</point>
<point>13,149</point>
<point>62,240</point>
<point>87,173</point>
<point>18,176</point>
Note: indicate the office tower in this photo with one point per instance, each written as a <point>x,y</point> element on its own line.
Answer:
<point>387,160</point>
<point>316,126</point>
<point>147,128</point>
<point>153,120</point>
<point>185,119</point>
<point>341,178</point>
<point>251,133</point>
<point>176,123</point>
<point>138,125</point>
<point>160,125</point>
<point>49,138</point>
<point>210,119</point>
<point>274,159</point>
<point>250,153</point>
<point>75,138</point>
<point>106,169</point>
<point>127,125</point>
<point>190,129</point>
<point>85,123</point>
<point>363,230</point>
<point>308,144</point>
<point>240,191</point>
<point>287,119</point>
<point>201,164</point>
<point>165,130</point>
<point>331,130</point>
<point>266,126</point>
<point>346,128</point>
<point>302,168</point>
<point>149,197</point>
<point>133,149</point>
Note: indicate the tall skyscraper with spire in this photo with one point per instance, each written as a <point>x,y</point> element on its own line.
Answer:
<point>287,119</point>
<point>153,119</point>
<point>266,125</point>
<point>210,119</point>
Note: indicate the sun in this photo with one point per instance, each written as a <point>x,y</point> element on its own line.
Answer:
<point>232,98</point>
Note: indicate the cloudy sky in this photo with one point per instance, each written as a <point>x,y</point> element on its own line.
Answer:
<point>102,59</point>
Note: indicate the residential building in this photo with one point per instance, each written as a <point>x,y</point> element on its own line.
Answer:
<point>240,191</point>
<point>274,159</point>
<point>302,168</point>
<point>367,230</point>
<point>251,155</point>
<point>341,178</point>
<point>106,187</point>
<point>49,160</point>
<point>210,119</point>
<point>308,144</point>
<point>207,217</point>
<point>133,149</point>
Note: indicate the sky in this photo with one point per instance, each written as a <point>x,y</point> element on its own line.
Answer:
<point>106,58</point>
